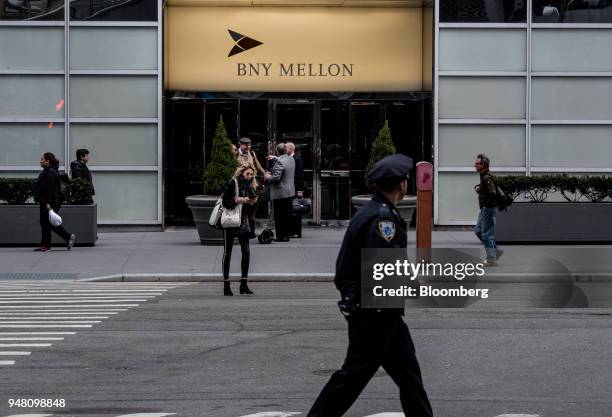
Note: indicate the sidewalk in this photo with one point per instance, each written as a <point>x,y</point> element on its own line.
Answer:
<point>178,255</point>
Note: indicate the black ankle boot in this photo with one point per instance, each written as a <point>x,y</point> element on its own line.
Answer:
<point>244,288</point>
<point>227,290</point>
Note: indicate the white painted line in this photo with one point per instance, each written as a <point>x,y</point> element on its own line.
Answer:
<point>60,311</point>
<point>6,293</point>
<point>518,415</point>
<point>85,300</point>
<point>52,318</point>
<point>40,326</point>
<point>73,306</point>
<point>274,414</point>
<point>52,322</point>
<point>7,339</point>
<point>34,333</point>
<point>147,415</point>
<point>14,353</point>
<point>7,297</point>
<point>30,415</point>
<point>12,345</point>
<point>71,314</point>
<point>6,363</point>
<point>387,415</point>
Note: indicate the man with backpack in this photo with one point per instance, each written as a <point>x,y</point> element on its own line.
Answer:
<point>487,201</point>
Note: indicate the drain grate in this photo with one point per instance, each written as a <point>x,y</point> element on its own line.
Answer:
<point>37,275</point>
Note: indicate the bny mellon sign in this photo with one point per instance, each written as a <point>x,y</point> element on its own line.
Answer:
<point>293,49</point>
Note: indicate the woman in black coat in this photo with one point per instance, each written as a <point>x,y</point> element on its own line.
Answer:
<point>48,197</point>
<point>247,197</point>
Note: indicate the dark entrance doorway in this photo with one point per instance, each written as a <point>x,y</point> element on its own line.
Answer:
<point>332,136</point>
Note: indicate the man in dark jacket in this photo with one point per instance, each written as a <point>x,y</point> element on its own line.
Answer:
<point>298,180</point>
<point>376,337</point>
<point>48,197</point>
<point>79,169</point>
<point>487,201</point>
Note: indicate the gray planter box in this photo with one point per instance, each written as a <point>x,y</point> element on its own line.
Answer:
<point>201,208</point>
<point>20,225</point>
<point>406,207</point>
<point>555,223</point>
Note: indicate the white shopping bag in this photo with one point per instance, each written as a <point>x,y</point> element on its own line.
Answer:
<point>54,218</point>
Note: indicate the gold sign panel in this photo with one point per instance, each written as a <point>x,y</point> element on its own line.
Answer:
<point>293,49</point>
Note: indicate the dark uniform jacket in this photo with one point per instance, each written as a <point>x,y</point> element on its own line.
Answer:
<point>366,231</point>
<point>80,170</point>
<point>47,186</point>
<point>487,194</point>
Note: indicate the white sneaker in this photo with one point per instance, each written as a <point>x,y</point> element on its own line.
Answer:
<point>498,254</point>
<point>490,262</point>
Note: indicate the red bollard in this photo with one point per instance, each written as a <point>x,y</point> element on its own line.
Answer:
<point>424,220</point>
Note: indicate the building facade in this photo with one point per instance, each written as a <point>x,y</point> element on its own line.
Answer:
<point>142,85</point>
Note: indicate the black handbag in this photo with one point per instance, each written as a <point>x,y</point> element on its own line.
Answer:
<point>301,205</point>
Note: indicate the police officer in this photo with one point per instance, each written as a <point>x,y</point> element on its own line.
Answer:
<point>376,337</point>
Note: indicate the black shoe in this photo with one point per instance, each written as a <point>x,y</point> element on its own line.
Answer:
<point>295,236</point>
<point>227,290</point>
<point>244,288</point>
<point>282,239</point>
<point>42,249</point>
<point>70,242</point>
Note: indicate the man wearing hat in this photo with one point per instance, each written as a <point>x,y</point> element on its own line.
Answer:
<point>377,337</point>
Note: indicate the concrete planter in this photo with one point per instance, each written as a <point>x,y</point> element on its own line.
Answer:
<point>201,208</point>
<point>555,223</point>
<point>20,225</point>
<point>406,207</point>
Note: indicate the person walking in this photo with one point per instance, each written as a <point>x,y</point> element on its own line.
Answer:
<point>247,197</point>
<point>48,197</point>
<point>79,169</point>
<point>376,337</point>
<point>298,181</point>
<point>487,201</point>
<point>282,191</point>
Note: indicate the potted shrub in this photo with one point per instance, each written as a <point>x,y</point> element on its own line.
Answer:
<point>19,214</point>
<point>583,213</point>
<point>220,168</point>
<point>383,146</point>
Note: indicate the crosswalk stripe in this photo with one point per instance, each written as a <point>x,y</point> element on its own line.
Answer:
<point>71,306</point>
<point>518,415</point>
<point>94,310</point>
<point>5,363</point>
<point>273,414</point>
<point>52,322</point>
<point>42,326</point>
<point>14,353</point>
<point>35,333</point>
<point>7,339</point>
<point>54,318</point>
<point>70,301</point>
<point>30,415</point>
<point>147,415</point>
<point>8,345</point>
<point>71,296</point>
<point>387,415</point>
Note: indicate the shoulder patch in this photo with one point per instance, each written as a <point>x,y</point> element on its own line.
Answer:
<point>386,228</point>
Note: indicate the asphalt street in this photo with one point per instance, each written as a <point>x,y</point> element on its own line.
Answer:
<point>185,350</point>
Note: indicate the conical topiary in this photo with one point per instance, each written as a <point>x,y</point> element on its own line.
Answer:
<point>222,164</point>
<point>381,146</point>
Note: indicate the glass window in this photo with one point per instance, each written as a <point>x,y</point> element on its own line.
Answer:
<point>113,48</point>
<point>572,50</point>
<point>571,146</point>
<point>571,98</point>
<point>458,145</point>
<point>23,144</point>
<point>113,96</point>
<point>482,98</point>
<point>335,135</point>
<point>32,48</point>
<point>31,9</point>
<point>483,50</point>
<point>114,10</point>
<point>487,11</point>
<point>116,144</point>
<point>572,11</point>
<point>32,96</point>
<point>126,196</point>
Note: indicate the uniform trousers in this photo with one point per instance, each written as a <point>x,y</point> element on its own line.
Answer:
<point>375,339</point>
<point>47,227</point>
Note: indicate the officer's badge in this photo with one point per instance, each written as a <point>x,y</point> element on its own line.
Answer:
<point>386,228</point>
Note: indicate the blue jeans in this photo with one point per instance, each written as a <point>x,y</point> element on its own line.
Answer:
<point>485,230</point>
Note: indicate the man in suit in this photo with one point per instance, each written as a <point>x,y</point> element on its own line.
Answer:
<point>282,191</point>
<point>296,219</point>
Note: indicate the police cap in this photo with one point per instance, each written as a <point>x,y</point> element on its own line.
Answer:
<point>245,140</point>
<point>393,167</point>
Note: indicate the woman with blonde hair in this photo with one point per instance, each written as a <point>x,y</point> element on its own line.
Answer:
<point>242,182</point>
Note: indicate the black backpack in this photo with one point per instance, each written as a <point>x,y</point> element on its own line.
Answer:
<point>503,200</point>
<point>266,236</point>
<point>63,186</point>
